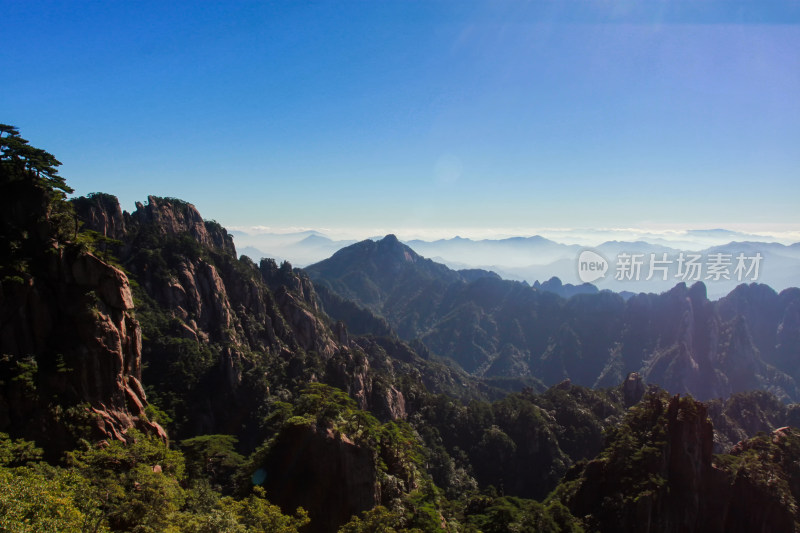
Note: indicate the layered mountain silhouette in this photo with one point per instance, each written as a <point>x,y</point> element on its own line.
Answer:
<point>535,259</point>
<point>492,327</point>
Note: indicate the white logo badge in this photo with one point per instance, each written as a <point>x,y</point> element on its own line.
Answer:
<point>591,266</point>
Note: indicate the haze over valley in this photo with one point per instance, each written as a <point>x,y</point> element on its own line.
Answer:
<point>538,259</point>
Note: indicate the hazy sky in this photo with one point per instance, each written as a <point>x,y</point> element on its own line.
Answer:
<point>392,115</point>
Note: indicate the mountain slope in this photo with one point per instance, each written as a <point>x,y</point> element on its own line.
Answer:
<point>492,327</point>
<point>388,278</point>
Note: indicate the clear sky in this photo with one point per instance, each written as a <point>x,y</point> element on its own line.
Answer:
<point>392,115</point>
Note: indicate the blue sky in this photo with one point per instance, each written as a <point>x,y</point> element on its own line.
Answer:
<point>454,117</point>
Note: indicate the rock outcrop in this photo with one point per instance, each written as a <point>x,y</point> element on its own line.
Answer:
<point>173,217</point>
<point>327,474</point>
<point>103,214</point>
<point>632,389</point>
<point>69,336</point>
<point>659,474</point>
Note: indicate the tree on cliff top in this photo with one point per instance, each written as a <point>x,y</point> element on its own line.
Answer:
<point>33,207</point>
<point>18,157</point>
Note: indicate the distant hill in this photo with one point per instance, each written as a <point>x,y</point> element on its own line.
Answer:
<point>510,252</point>
<point>565,290</point>
<point>535,259</point>
<point>387,277</point>
<point>299,248</point>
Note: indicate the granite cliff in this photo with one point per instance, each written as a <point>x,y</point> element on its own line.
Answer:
<point>71,363</point>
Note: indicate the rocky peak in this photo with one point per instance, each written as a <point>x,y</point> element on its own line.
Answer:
<point>656,470</point>
<point>662,476</point>
<point>388,252</point>
<point>102,213</point>
<point>789,330</point>
<point>390,240</point>
<point>632,389</point>
<point>227,308</point>
<point>690,443</point>
<point>294,280</point>
<point>392,247</point>
<point>372,273</point>
<point>171,216</point>
<point>698,293</point>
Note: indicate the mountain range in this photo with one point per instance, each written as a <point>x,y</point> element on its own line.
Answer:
<point>151,380</point>
<point>493,327</point>
<point>538,259</point>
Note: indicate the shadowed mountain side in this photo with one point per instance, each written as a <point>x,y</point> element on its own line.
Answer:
<point>492,327</point>
<point>658,474</point>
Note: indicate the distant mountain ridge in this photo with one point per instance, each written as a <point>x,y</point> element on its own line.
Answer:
<point>493,327</point>
<point>536,258</point>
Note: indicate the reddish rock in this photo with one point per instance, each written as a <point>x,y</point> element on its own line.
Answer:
<point>175,217</point>
<point>75,320</point>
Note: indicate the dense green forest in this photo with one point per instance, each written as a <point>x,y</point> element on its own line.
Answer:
<point>151,380</point>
